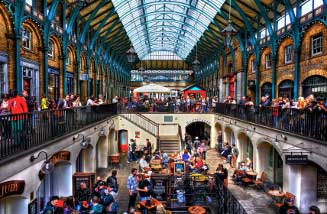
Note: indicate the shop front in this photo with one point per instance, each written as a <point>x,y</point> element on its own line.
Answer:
<point>11,199</point>
<point>53,83</point>
<point>3,73</point>
<point>285,89</point>
<point>30,76</point>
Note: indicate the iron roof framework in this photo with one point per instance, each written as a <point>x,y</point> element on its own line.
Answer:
<point>176,26</point>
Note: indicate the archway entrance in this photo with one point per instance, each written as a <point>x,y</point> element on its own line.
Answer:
<point>316,85</point>
<point>229,136</point>
<point>270,162</point>
<point>15,204</point>
<point>285,89</point>
<point>102,153</point>
<point>245,147</point>
<point>85,161</point>
<point>219,142</point>
<point>198,129</point>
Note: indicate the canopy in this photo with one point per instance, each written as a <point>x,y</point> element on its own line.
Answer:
<point>194,89</point>
<point>152,88</point>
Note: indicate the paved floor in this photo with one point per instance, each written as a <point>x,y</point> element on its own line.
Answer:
<point>253,201</point>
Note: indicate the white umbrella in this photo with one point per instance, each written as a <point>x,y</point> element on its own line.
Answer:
<point>152,88</point>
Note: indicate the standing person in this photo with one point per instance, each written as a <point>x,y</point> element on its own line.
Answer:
<point>4,104</point>
<point>17,105</point>
<point>131,151</point>
<point>83,198</point>
<point>51,206</point>
<point>149,146</point>
<point>143,187</point>
<point>30,102</point>
<point>233,156</point>
<point>112,181</point>
<point>131,186</point>
<point>196,143</point>
<point>97,208</point>
<point>44,103</point>
<point>289,207</point>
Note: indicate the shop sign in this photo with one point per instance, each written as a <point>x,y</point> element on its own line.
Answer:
<point>296,159</point>
<point>60,156</point>
<point>8,188</point>
<point>137,134</point>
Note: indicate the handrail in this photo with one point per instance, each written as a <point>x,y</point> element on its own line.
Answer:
<point>304,122</point>
<point>143,122</point>
<point>20,132</point>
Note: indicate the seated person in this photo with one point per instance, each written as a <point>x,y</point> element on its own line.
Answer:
<point>249,164</point>
<point>198,163</point>
<point>186,156</point>
<point>240,173</point>
<point>221,173</point>
<point>144,165</point>
<point>164,159</point>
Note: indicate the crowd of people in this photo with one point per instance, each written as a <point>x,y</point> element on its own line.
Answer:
<point>103,199</point>
<point>173,104</point>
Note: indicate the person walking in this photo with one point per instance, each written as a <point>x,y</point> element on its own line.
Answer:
<point>83,198</point>
<point>112,181</point>
<point>131,151</point>
<point>132,184</point>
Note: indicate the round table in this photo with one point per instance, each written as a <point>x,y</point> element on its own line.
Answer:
<point>196,210</point>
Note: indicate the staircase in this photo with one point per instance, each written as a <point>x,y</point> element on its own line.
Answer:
<point>170,146</point>
<point>143,122</point>
<point>168,136</point>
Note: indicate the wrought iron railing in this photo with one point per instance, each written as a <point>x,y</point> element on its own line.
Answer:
<point>227,203</point>
<point>143,122</point>
<point>308,123</point>
<point>20,132</point>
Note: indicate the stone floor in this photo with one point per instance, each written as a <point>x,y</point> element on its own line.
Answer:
<point>253,201</point>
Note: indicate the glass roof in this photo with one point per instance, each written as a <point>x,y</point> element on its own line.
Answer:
<point>166,25</point>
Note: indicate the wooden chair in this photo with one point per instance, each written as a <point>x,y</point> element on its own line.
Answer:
<point>259,182</point>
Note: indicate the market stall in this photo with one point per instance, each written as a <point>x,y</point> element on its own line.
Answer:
<point>195,90</point>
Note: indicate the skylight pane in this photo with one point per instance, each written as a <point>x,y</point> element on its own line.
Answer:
<point>172,30</point>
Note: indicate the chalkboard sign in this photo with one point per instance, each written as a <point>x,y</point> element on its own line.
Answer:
<point>78,178</point>
<point>160,187</point>
<point>179,167</point>
<point>321,183</point>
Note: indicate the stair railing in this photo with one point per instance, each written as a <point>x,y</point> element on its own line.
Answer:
<point>143,122</point>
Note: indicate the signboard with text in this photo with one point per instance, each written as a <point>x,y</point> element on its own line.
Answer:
<point>15,187</point>
<point>296,159</point>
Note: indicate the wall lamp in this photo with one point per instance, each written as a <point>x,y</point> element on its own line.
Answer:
<point>283,137</point>
<point>102,133</point>
<point>47,166</point>
<point>85,140</point>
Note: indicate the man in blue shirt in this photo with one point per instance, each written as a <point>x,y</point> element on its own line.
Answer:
<point>131,186</point>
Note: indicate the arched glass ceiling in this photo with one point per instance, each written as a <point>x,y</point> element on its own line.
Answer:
<point>166,25</point>
<point>161,55</point>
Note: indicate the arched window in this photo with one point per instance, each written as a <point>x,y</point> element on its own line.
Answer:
<point>316,85</point>
<point>285,89</point>
<point>26,38</point>
<point>266,89</point>
<point>51,50</point>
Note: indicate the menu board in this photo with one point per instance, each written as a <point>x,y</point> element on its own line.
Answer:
<point>78,178</point>
<point>321,183</point>
<point>179,167</point>
<point>160,187</point>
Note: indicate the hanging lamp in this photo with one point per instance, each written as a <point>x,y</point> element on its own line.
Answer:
<point>196,63</point>
<point>229,31</point>
<point>131,55</point>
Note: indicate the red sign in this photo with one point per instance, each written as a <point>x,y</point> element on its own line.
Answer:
<point>15,187</point>
<point>137,134</point>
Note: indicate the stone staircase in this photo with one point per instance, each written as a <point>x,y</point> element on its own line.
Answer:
<point>170,146</point>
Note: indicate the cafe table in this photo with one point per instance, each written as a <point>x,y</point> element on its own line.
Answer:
<point>153,205</point>
<point>196,210</point>
<point>251,174</point>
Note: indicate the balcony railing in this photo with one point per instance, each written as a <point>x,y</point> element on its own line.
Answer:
<point>20,132</point>
<point>312,124</point>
